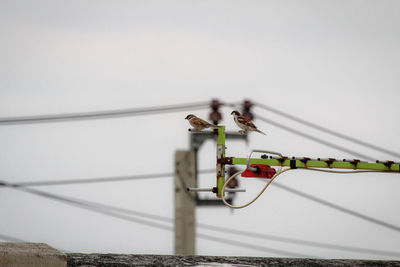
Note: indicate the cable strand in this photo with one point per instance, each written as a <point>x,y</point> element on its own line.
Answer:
<point>100,179</point>
<point>93,205</point>
<point>326,130</point>
<point>134,219</point>
<point>313,138</point>
<point>102,114</point>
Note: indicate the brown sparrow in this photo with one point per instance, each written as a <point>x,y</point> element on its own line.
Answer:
<point>199,124</point>
<point>244,123</point>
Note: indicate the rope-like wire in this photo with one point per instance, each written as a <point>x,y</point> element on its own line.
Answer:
<point>343,172</point>
<point>102,114</point>
<point>326,130</point>
<point>276,175</point>
<point>258,195</point>
<point>314,138</point>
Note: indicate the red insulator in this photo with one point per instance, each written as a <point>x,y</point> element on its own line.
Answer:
<point>264,171</point>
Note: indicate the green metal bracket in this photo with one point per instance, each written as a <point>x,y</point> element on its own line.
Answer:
<point>329,163</point>
<point>220,157</point>
<point>385,166</point>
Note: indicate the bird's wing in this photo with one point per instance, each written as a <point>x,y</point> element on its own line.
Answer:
<point>246,122</point>
<point>201,122</point>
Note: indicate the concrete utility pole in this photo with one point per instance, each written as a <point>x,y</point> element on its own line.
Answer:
<point>185,202</point>
<point>186,176</point>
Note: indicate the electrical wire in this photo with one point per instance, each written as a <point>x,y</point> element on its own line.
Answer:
<point>313,198</point>
<point>37,119</point>
<point>256,197</point>
<point>17,240</point>
<point>313,138</point>
<point>277,184</point>
<point>98,207</point>
<point>91,207</point>
<point>93,180</point>
<point>102,179</point>
<point>335,206</point>
<point>299,241</point>
<point>252,246</point>
<point>326,130</point>
<point>344,171</point>
<point>10,238</point>
<point>103,114</point>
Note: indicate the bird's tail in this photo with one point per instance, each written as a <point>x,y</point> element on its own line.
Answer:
<point>260,132</point>
<point>213,126</point>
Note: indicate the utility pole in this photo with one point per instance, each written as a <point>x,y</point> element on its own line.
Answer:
<point>186,177</point>
<point>185,202</point>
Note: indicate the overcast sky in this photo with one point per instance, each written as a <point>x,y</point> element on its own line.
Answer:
<point>335,63</point>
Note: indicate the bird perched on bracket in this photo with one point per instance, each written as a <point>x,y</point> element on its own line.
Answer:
<point>199,124</point>
<point>244,123</point>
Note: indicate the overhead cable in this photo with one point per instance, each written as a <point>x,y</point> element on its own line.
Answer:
<point>128,112</point>
<point>313,138</point>
<point>284,187</point>
<point>112,210</point>
<point>251,246</point>
<point>85,205</point>
<point>326,130</point>
<point>337,207</point>
<point>298,241</point>
<point>10,238</point>
<point>102,179</point>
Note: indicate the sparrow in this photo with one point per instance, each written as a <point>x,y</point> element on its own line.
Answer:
<point>244,123</point>
<point>199,124</point>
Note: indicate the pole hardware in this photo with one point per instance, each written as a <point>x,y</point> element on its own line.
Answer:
<point>253,169</point>
<point>214,190</point>
<point>262,167</point>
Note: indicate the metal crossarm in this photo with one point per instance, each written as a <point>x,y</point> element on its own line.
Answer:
<point>260,167</point>
<point>276,159</point>
<point>317,163</point>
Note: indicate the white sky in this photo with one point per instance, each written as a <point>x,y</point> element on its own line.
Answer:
<point>335,63</point>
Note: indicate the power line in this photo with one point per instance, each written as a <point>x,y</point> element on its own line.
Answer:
<point>251,246</point>
<point>112,211</point>
<point>10,238</point>
<point>14,239</point>
<point>93,180</point>
<point>329,131</point>
<point>101,179</point>
<point>252,234</point>
<point>313,138</point>
<point>159,175</point>
<point>337,207</point>
<point>103,114</point>
<point>87,206</point>
<point>299,241</point>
